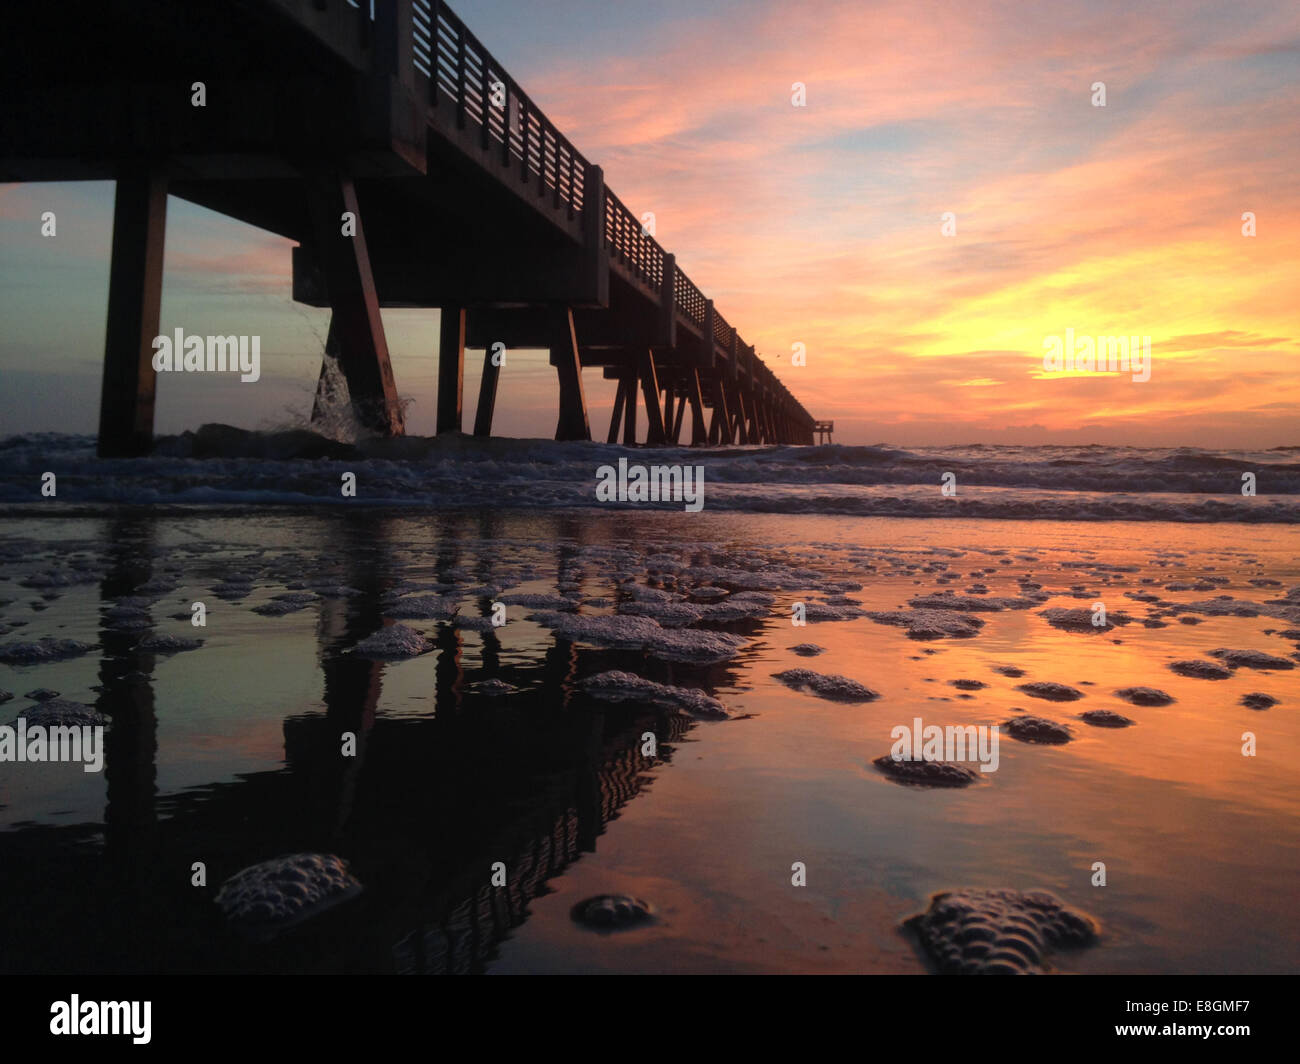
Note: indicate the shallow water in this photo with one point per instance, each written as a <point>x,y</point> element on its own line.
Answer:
<point>230,753</point>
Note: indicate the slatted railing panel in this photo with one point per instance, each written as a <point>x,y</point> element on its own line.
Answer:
<point>462,74</point>
<point>721,330</point>
<point>630,245</point>
<point>690,300</point>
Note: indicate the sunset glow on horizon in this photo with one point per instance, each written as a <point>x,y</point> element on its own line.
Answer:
<point>821,224</point>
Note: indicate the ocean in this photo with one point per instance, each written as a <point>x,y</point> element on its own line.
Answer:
<point>219,465</point>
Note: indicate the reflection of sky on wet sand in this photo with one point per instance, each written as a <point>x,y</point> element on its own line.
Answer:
<point>1199,842</point>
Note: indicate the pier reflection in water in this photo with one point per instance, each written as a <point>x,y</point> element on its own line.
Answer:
<point>424,811</point>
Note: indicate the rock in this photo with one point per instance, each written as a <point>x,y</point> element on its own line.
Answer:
<point>613,912</point>
<point>644,633</point>
<point>48,649</point>
<point>422,608</point>
<point>829,611</point>
<point>947,600</point>
<point>1250,659</point>
<point>737,608</point>
<point>930,623</point>
<point>808,650</point>
<point>282,605</point>
<point>1104,718</point>
<point>169,644</point>
<point>1201,670</point>
<point>1037,730</point>
<point>668,614</point>
<point>926,773</point>
<point>998,932</point>
<point>41,694</point>
<point>968,685</point>
<point>1256,700</point>
<point>834,688</point>
<point>1080,620</point>
<point>232,590</point>
<point>619,686</point>
<point>1145,696</point>
<point>541,602</point>
<point>266,899</point>
<point>126,617</point>
<point>1009,670</point>
<point>1052,692</point>
<point>62,713</point>
<point>395,641</point>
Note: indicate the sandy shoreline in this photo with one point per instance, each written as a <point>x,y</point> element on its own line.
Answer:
<point>455,767</point>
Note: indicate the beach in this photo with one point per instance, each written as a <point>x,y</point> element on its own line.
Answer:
<point>477,743</point>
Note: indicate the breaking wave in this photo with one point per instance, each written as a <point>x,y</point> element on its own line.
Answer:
<point>223,466</point>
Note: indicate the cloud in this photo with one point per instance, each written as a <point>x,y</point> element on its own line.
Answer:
<point>821,225</point>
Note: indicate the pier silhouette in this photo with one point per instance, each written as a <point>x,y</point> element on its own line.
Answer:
<point>426,808</point>
<point>410,169</point>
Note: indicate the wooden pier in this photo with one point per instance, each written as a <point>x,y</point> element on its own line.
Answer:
<point>461,195</point>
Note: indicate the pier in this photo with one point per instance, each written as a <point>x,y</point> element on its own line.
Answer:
<point>410,170</point>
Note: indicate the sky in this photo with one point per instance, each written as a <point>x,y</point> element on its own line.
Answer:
<point>823,224</point>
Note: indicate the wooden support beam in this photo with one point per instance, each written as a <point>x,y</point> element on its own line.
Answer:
<point>707,328</point>
<point>487,396</point>
<point>676,434</point>
<point>593,232</point>
<point>126,402</point>
<point>721,431</point>
<point>619,398</point>
<point>699,434</point>
<point>573,423</point>
<point>668,403</point>
<point>741,430</point>
<point>350,283</point>
<point>655,433</point>
<point>629,410</point>
<point>451,369</point>
<point>668,303</point>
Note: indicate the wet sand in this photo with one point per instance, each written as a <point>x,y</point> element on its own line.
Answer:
<point>229,753</point>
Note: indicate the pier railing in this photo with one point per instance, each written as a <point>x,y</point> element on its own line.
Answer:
<point>457,72</point>
<point>630,244</point>
<point>463,75</point>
